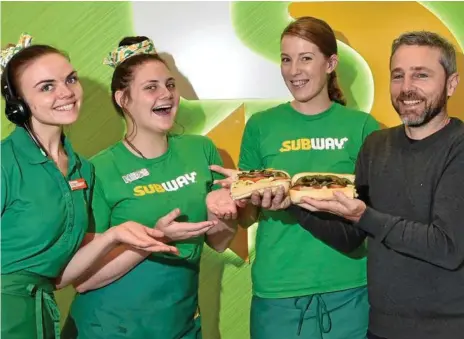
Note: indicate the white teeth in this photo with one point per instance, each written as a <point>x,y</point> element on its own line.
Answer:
<point>163,107</point>
<point>65,108</point>
<point>299,82</point>
<point>411,102</point>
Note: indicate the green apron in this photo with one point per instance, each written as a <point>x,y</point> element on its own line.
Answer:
<point>28,309</point>
<point>157,299</point>
<point>333,315</point>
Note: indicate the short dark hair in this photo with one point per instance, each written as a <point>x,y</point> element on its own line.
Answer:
<point>430,39</point>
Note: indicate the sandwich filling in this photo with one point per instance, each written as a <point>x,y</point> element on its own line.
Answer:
<point>321,181</point>
<point>250,177</point>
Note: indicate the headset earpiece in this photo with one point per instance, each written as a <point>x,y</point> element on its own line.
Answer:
<point>16,110</point>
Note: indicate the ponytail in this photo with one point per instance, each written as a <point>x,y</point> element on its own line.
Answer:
<point>335,93</point>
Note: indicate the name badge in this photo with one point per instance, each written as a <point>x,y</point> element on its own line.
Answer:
<point>78,184</point>
<point>128,178</point>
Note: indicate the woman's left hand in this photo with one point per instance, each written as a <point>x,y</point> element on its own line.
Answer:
<point>220,203</point>
<point>140,237</point>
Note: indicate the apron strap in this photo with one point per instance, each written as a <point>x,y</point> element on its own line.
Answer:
<point>322,314</point>
<point>44,300</point>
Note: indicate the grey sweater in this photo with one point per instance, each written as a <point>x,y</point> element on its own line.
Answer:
<point>414,191</point>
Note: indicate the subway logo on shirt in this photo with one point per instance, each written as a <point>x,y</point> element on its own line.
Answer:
<point>306,144</point>
<point>167,186</point>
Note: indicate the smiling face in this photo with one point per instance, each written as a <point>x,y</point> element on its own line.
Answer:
<point>304,68</point>
<point>153,97</point>
<point>51,88</point>
<point>419,86</point>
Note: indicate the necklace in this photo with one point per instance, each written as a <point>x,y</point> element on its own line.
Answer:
<point>135,149</point>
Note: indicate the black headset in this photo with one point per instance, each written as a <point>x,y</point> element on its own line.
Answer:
<point>16,110</point>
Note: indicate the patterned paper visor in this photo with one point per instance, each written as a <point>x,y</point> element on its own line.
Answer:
<point>25,40</point>
<point>122,53</point>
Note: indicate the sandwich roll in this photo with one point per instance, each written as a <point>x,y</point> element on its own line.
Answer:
<point>321,186</point>
<point>248,182</point>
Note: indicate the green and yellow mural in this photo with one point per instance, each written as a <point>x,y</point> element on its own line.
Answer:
<point>365,30</point>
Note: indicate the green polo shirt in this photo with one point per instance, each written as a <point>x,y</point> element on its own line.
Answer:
<point>143,190</point>
<point>43,219</point>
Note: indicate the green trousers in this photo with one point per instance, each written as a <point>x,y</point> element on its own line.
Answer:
<point>335,315</point>
<point>28,307</point>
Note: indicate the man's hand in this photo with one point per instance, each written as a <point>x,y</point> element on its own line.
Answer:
<point>351,209</point>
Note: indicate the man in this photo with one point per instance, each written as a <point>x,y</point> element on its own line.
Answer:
<point>411,198</point>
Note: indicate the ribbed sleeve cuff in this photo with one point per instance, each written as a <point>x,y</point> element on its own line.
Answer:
<point>374,223</point>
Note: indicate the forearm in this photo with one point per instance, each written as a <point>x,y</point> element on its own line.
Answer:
<point>94,246</point>
<point>110,268</point>
<point>429,242</point>
<point>220,236</point>
<point>334,231</point>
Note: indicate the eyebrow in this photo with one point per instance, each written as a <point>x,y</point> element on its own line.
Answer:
<point>300,53</point>
<point>52,80</point>
<point>416,68</point>
<point>422,68</point>
<point>156,81</point>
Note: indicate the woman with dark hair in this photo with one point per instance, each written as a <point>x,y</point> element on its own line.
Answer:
<point>303,288</point>
<point>46,193</point>
<point>150,172</point>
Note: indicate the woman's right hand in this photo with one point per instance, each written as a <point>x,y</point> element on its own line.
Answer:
<point>230,175</point>
<point>174,230</point>
<point>140,237</point>
<point>266,200</point>
<point>269,201</point>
